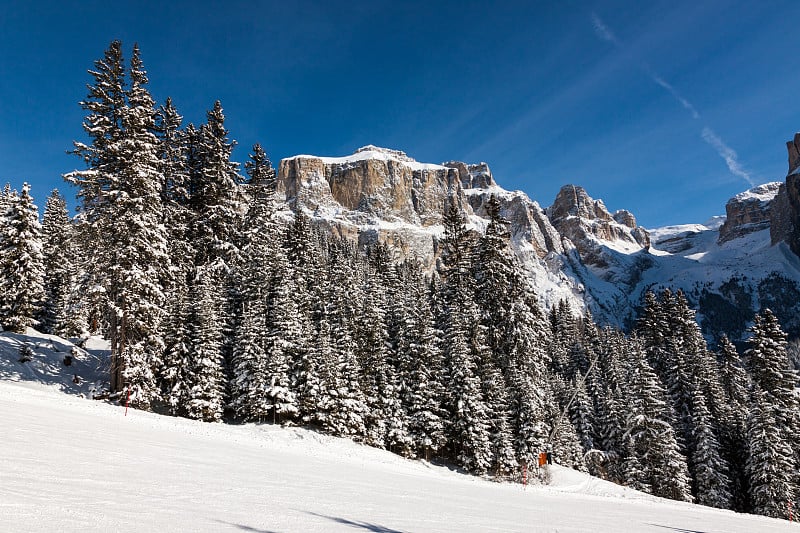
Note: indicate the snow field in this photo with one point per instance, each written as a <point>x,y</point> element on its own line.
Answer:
<point>78,465</point>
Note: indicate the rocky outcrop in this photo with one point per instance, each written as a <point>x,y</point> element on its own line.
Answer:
<point>793,147</point>
<point>530,227</point>
<point>625,217</point>
<point>748,212</point>
<point>588,224</point>
<point>473,176</point>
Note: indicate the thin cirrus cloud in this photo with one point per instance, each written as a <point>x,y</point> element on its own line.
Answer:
<point>708,135</point>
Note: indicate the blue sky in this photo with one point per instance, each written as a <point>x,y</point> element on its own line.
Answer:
<point>663,108</point>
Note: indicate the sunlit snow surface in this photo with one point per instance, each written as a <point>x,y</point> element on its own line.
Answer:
<point>375,153</point>
<point>77,465</point>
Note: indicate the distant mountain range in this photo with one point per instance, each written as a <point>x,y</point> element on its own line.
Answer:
<point>575,249</point>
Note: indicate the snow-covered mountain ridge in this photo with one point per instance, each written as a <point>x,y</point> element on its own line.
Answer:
<point>575,249</point>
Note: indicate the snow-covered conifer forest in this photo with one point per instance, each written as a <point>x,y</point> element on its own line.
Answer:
<point>222,304</point>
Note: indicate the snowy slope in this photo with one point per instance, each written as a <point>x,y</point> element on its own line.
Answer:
<point>86,376</point>
<point>71,464</point>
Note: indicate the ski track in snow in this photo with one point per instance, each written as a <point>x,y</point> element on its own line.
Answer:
<point>75,465</point>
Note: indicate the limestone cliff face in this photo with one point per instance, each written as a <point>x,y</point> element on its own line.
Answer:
<point>385,184</point>
<point>473,176</point>
<point>793,147</point>
<point>792,191</point>
<point>785,217</point>
<point>382,195</point>
<point>749,211</point>
<point>792,188</point>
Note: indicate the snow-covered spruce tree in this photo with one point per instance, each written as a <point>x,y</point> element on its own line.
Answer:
<point>605,384</point>
<point>378,379</point>
<point>214,194</point>
<point>21,262</point>
<point>173,155</point>
<point>249,381</point>
<point>172,152</point>
<point>307,276</point>
<point>563,440</point>
<point>650,431</point>
<point>701,362</point>
<point>770,372</point>
<point>387,420</point>
<point>391,286</point>
<point>712,485</point>
<point>528,409</point>
<point>123,216</point>
<point>770,463</point>
<point>469,425</point>
<point>316,378</point>
<point>677,349</point>
<point>513,327</point>
<point>285,340</point>
<point>610,437</point>
<point>206,394</point>
<point>5,197</point>
<point>631,471</point>
<point>254,272</point>
<point>175,374</point>
<point>470,438</point>
<point>348,413</point>
<point>495,393</point>
<point>457,248</point>
<point>421,367</point>
<point>732,436</point>
<point>139,237</point>
<point>581,414</point>
<point>768,363</point>
<point>105,105</point>
<point>59,267</point>
<point>495,284</point>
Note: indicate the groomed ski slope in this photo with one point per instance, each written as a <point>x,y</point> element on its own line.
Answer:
<point>75,465</point>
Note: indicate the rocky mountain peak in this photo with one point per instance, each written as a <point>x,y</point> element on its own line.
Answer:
<point>573,201</point>
<point>580,218</point>
<point>625,217</point>
<point>749,211</point>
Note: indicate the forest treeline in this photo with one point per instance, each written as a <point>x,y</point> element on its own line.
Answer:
<point>221,304</point>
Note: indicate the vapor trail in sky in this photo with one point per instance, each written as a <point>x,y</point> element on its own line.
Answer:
<point>603,31</point>
<point>708,135</point>
<point>727,153</point>
<point>683,101</point>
